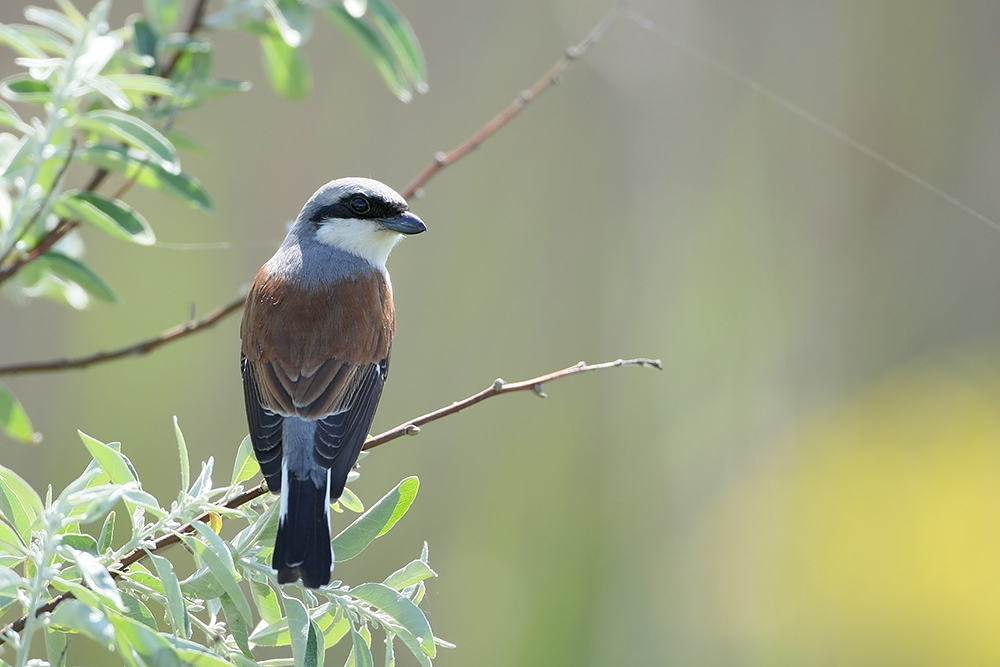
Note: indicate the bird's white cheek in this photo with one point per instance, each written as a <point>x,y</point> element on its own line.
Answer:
<point>359,237</point>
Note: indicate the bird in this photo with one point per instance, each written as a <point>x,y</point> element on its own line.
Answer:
<point>316,337</point>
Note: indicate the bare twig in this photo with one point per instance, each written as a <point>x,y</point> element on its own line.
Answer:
<point>498,387</point>
<point>408,428</point>
<point>573,53</point>
<point>142,347</point>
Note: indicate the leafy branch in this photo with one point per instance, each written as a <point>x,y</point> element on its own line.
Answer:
<point>244,459</point>
<point>441,161</point>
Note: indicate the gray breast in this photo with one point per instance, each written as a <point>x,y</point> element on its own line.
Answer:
<point>313,264</point>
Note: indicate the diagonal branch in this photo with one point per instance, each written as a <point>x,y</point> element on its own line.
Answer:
<point>573,53</point>
<point>498,387</point>
<point>142,347</point>
<point>441,161</point>
<point>409,428</point>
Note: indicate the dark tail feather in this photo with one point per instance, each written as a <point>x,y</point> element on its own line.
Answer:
<point>302,547</point>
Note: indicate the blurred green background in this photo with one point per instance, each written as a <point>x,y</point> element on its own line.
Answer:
<point>815,476</point>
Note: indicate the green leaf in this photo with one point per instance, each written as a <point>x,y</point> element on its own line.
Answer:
<point>376,521</point>
<point>10,542</point>
<point>205,90</point>
<point>336,631</point>
<point>54,21</point>
<point>108,89</point>
<point>183,453</point>
<point>15,40</point>
<point>55,646</point>
<point>81,542</point>
<point>293,20</point>
<point>245,465</point>
<point>153,648</point>
<point>22,88</point>
<point>202,585</point>
<point>285,67</point>
<point>141,576</point>
<point>109,215</point>
<point>9,580</point>
<point>135,133</point>
<point>176,607</point>
<point>218,559</point>
<point>163,14</point>
<point>266,600</point>
<point>237,626</point>
<point>351,501</point>
<point>415,648</point>
<point>243,661</point>
<point>187,142</point>
<point>9,118</point>
<point>135,167</point>
<point>76,616</point>
<point>96,576</point>
<point>315,647</point>
<point>298,626</point>
<point>19,503</point>
<point>193,654</point>
<point>401,39</point>
<point>373,46</point>
<point>14,420</point>
<point>408,575</point>
<point>79,273</point>
<point>145,83</point>
<point>93,503</point>
<point>72,13</point>
<point>111,461</point>
<point>272,634</point>
<point>145,40</point>
<point>401,609</point>
<point>361,654</point>
<point>40,38</point>
<point>137,611</point>
<point>107,533</point>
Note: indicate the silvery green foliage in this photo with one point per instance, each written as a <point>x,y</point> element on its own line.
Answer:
<point>103,101</point>
<point>232,604</point>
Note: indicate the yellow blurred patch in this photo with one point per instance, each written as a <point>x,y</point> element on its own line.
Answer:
<point>874,540</point>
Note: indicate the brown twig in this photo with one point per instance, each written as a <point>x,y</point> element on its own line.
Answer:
<point>142,347</point>
<point>498,387</point>
<point>408,428</point>
<point>573,53</point>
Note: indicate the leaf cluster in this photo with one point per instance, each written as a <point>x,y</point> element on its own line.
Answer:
<point>107,100</point>
<point>121,592</point>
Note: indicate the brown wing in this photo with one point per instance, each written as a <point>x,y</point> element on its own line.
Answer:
<point>311,350</point>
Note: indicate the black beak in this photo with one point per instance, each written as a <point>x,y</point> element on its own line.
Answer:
<point>404,223</point>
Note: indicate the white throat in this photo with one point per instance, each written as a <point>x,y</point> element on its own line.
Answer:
<point>359,237</point>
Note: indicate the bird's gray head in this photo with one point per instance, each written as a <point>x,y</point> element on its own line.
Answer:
<point>358,215</point>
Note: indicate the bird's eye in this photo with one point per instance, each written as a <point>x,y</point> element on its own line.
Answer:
<point>360,205</point>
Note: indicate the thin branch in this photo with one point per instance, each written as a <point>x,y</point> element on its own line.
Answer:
<point>194,25</point>
<point>498,387</point>
<point>142,347</point>
<point>573,53</point>
<point>408,428</point>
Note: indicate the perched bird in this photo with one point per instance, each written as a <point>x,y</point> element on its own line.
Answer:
<point>316,335</point>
